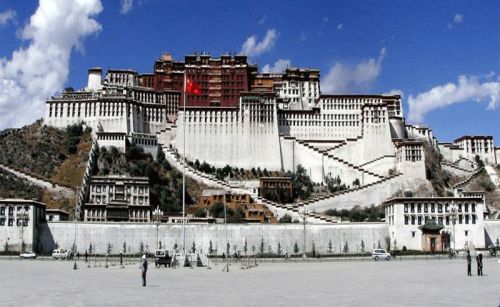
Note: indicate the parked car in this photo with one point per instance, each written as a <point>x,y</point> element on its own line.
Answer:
<point>28,255</point>
<point>380,254</point>
<point>60,254</point>
<point>162,258</point>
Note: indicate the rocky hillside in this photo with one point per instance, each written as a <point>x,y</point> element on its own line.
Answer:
<point>14,187</point>
<point>53,155</point>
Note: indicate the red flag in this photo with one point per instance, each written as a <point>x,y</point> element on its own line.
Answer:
<point>192,87</point>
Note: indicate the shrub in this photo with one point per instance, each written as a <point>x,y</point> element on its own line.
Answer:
<point>285,219</point>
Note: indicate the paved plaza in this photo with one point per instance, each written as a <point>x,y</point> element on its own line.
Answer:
<point>346,283</point>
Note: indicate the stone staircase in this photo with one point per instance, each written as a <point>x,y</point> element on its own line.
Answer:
<point>349,191</point>
<point>337,159</point>
<point>467,180</point>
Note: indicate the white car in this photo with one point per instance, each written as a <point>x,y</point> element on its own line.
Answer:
<point>28,255</point>
<point>380,254</point>
<point>60,254</point>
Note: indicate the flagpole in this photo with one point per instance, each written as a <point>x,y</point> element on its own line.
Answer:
<point>184,170</point>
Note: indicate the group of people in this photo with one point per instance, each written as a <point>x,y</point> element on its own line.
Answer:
<point>479,262</point>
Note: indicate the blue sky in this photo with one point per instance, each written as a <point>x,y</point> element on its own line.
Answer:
<point>419,48</point>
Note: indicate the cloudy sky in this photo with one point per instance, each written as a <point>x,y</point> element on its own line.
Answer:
<point>443,56</point>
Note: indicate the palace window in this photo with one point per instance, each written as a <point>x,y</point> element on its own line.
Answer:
<point>460,219</point>
<point>466,233</point>
<point>473,219</point>
<point>419,220</point>
<point>2,221</point>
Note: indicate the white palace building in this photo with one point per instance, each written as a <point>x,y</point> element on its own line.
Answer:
<point>277,122</point>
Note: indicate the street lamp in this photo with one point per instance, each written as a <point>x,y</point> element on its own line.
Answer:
<point>23,218</point>
<point>303,213</point>
<point>75,217</point>
<point>453,216</point>
<point>157,213</point>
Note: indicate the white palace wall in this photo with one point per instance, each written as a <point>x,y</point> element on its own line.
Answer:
<point>225,138</point>
<point>102,234</point>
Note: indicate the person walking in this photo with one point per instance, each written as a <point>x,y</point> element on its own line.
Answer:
<point>479,260</point>
<point>469,263</point>
<point>144,268</point>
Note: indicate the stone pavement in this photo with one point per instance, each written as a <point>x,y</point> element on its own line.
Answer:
<point>382,283</point>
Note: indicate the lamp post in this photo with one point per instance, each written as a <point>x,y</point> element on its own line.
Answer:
<point>157,213</point>
<point>74,242</point>
<point>303,213</point>
<point>453,216</point>
<point>23,217</point>
<point>226,268</point>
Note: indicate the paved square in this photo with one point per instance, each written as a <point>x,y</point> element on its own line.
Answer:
<point>382,283</point>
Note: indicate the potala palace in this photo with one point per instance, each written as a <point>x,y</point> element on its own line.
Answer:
<point>246,119</point>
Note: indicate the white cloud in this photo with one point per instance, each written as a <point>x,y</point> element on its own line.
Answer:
<point>126,6</point>
<point>326,19</point>
<point>340,27</point>
<point>468,88</point>
<point>7,16</point>
<point>278,67</point>
<point>458,18</point>
<point>40,69</point>
<point>344,78</point>
<point>253,48</point>
<point>262,20</point>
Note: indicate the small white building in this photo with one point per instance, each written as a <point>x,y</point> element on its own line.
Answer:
<point>463,216</point>
<point>56,215</point>
<point>20,222</point>
<point>481,146</point>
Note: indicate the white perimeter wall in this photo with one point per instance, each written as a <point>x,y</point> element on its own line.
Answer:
<point>100,234</point>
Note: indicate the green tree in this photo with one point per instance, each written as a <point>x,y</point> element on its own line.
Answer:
<point>295,248</point>
<point>279,249</point>
<point>210,248</point>
<point>193,248</point>
<point>124,247</point>
<point>314,249</point>
<point>346,247</point>
<point>245,247</point>
<point>261,247</point>
<point>301,182</point>
<point>141,247</point>
<point>109,249</point>
<point>362,246</point>
<point>330,247</point>
<point>90,248</point>
<point>253,249</point>
<point>286,218</point>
